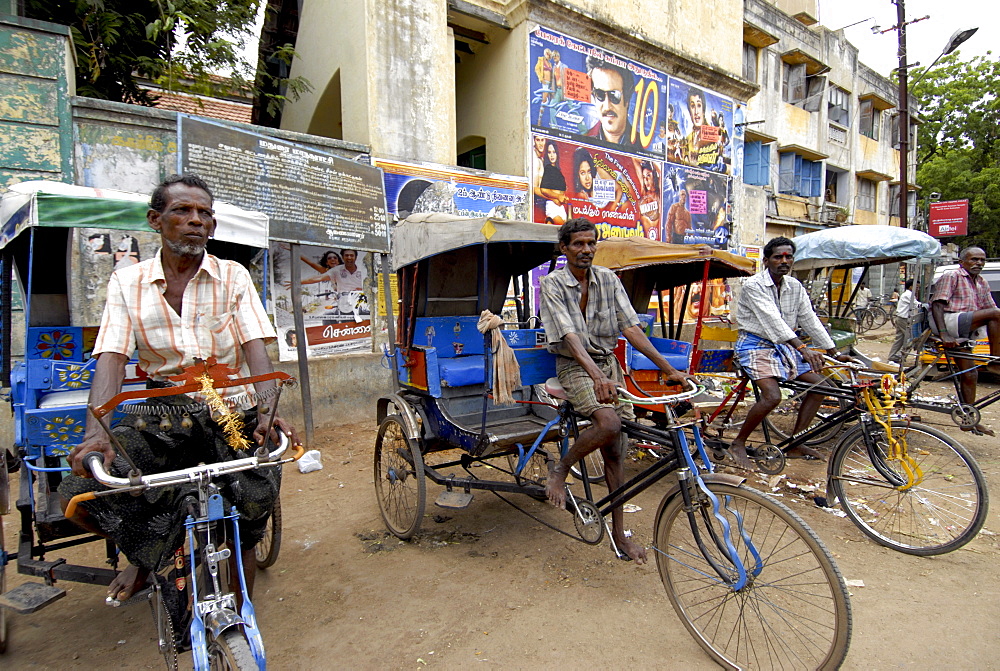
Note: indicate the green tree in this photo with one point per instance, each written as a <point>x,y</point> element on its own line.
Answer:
<point>178,44</point>
<point>959,141</point>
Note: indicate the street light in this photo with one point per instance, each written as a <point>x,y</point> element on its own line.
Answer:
<point>954,41</point>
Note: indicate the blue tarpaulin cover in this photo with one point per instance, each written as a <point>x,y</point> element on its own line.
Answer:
<point>848,246</point>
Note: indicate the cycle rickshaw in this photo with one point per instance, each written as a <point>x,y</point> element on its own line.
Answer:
<point>907,486</point>
<point>44,225</point>
<point>751,582</point>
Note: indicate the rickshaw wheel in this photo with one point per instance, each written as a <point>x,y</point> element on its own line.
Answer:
<point>399,479</point>
<point>966,416</point>
<point>534,472</point>
<point>768,458</point>
<point>266,551</point>
<point>3,587</point>
<point>589,523</point>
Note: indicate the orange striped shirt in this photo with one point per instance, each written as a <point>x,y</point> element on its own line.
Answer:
<point>221,311</point>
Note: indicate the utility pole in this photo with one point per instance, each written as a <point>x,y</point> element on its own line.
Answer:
<point>904,115</point>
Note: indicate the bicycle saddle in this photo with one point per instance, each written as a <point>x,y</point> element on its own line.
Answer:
<point>555,389</point>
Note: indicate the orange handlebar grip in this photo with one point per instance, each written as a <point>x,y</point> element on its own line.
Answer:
<point>79,498</point>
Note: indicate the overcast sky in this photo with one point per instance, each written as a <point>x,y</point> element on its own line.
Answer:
<point>925,39</point>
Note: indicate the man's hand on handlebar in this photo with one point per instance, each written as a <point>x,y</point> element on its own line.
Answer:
<point>605,390</point>
<point>99,444</point>
<point>813,358</point>
<point>280,424</point>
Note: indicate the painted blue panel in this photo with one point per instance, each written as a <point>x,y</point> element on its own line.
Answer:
<point>451,336</point>
<point>537,365</point>
<point>717,361</point>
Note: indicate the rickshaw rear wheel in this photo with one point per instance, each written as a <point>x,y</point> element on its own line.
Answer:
<point>266,551</point>
<point>399,479</point>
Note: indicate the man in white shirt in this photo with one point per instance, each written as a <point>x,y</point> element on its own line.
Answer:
<point>901,320</point>
<point>863,298</point>
<point>348,277</point>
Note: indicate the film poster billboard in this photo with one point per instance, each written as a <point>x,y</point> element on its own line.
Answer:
<point>700,130</point>
<point>697,205</point>
<point>426,187</point>
<point>621,194</point>
<point>583,93</point>
<point>335,308</point>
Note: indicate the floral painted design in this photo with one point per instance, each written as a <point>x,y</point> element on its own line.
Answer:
<point>63,429</point>
<point>55,345</point>
<point>73,377</point>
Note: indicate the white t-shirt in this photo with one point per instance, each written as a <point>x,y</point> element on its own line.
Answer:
<point>904,305</point>
<point>863,298</point>
<point>346,280</point>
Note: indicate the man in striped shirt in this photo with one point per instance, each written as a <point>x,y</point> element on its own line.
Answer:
<point>177,307</point>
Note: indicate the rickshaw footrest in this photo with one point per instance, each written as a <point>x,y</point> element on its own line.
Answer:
<point>30,596</point>
<point>453,499</point>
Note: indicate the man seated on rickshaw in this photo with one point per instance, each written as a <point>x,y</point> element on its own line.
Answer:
<point>180,305</point>
<point>584,308</point>
<point>770,307</point>
<point>963,307</point>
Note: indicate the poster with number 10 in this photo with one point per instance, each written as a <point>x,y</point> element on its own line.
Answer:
<point>583,93</point>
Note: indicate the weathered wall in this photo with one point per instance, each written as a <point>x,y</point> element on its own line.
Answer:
<point>36,81</point>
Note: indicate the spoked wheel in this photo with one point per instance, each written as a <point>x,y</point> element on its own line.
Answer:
<point>595,468</point>
<point>534,472</point>
<point>782,419</point>
<point>879,316</point>
<point>942,511</point>
<point>266,550</point>
<point>863,320</point>
<point>231,651</point>
<point>399,479</point>
<point>793,611</point>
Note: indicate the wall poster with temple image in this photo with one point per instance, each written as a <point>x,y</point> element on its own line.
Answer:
<point>334,287</point>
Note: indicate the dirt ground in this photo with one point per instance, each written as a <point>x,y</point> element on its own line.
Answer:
<point>489,586</point>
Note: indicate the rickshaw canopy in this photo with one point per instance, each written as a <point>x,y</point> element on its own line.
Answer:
<point>461,266</point>
<point>670,265</point>
<point>853,246</point>
<point>54,204</point>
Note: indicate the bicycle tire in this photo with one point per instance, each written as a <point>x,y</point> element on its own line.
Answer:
<point>399,479</point>
<point>879,316</point>
<point>863,320</point>
<point>941,513</point>
<point>266,550</point>
<point>595,468</point>
<point>782,419</point>
<point>795,613</point>
<point>231,651</point>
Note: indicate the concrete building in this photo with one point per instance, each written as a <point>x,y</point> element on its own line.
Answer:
<point>821,141</point>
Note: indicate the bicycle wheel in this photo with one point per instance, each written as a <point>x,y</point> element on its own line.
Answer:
<point>879,316</point>
<point>782,419</point>
<point>231,650</point>
<point>399,479</point>
<point>863,320</point>
<point>267,549</point>
<point>943,511</point>
<point>595,468</point>
<point>792,613</point>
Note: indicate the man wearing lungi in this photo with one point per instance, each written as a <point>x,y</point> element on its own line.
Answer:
<point>584,308</point>
<point>770,307</point>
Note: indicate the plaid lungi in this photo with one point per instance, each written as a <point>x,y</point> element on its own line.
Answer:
<point>762,358</point>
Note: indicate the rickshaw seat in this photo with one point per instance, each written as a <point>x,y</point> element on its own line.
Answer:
<point>676,352</point>
<point>554,388</point>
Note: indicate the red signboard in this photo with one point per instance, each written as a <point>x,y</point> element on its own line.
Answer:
<point>949,218</point>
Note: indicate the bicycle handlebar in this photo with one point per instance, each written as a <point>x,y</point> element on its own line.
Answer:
<point>94,463</point>
<point>657,400</point>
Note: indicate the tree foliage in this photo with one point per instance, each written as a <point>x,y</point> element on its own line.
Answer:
<point>959,142</point>
<point>180,45</point>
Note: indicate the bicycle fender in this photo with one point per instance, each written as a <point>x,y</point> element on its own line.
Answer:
<point>406,412</point>
<point>708,478</point>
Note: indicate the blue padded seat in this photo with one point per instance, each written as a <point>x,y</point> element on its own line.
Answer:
<point>676,352</point>
<point>461,371</point>
<point>641,362</point>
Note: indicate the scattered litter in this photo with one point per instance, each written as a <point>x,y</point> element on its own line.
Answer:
<point>121,642</point>
<point>631,508</point>
<point>628,533</point>
<point>310,461</point>
<point>854,583</point>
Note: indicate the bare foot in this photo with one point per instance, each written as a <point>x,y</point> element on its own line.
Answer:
<point>738,452</point>
<point>803,452</point>
<point>555,485</point>
<point>979,428</point>
<point>127,583</point>
<point>633,550</point>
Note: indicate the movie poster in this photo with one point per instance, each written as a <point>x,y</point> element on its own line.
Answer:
<point>334,290</point>
<point>425,187</point>
<point>583,93</point>
<point>699,128</point>
<point>621,194</point>
<point>698,208</point>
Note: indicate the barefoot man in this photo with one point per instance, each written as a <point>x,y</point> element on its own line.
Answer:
<point>178,306</point>
<point>770,307</point>
<point>584,308</point>
<point>963,304</point>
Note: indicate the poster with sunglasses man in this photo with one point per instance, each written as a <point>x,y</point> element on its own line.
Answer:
<point>600,97</point>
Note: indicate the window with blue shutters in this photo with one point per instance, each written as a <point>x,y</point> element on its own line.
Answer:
<point>800,176</point>
<point>756,163</point>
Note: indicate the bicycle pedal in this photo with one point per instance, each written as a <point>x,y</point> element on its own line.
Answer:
<point>28,597</point>
<point>453,499</point>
